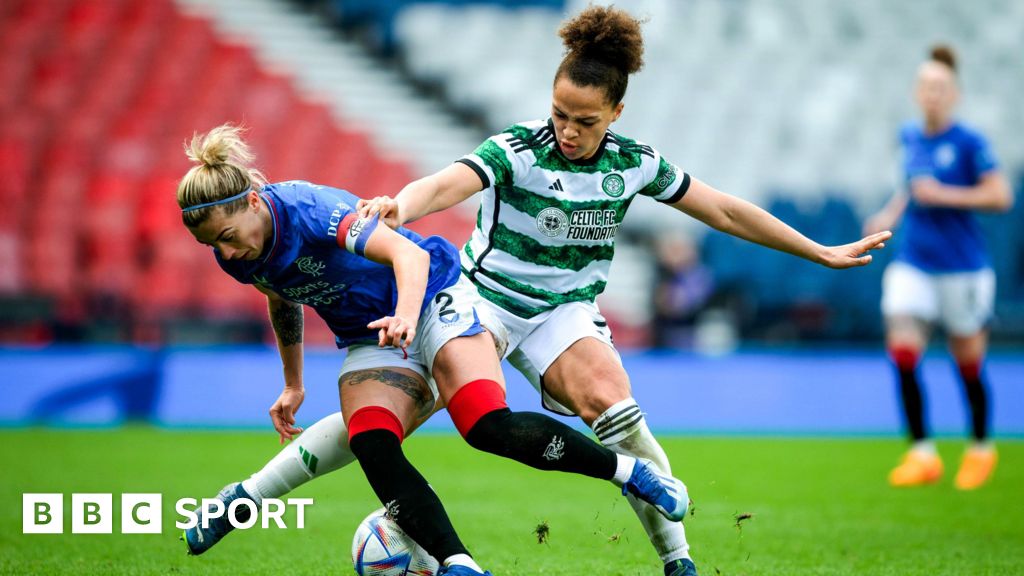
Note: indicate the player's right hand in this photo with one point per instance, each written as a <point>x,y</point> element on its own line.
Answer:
<point>282,413</point>
<point>855,253</point>
<point>394,331</point>
<point>386,206</point>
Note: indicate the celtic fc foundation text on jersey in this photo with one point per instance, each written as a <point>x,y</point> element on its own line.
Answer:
<point>545,232</point>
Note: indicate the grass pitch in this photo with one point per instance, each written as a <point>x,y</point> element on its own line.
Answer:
<point>818,507</point>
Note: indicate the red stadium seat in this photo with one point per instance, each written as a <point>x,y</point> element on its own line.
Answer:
<point>99,96</point>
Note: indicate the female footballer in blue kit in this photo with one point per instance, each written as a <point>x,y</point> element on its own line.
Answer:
<point>941,273</point>
<point>414,336</point>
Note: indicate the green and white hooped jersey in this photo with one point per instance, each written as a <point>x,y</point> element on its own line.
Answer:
<point>545,232</point>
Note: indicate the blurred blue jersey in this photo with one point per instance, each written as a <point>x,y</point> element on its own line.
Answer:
<point>315,257</point>
<point>943,239</point>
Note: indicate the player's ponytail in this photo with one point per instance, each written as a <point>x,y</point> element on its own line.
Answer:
<point>221,176</point>
<point>943,54</point>
<point>604,45</point>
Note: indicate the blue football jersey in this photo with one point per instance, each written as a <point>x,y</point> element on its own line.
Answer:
<point>315,257</point>
<point>943,239</point>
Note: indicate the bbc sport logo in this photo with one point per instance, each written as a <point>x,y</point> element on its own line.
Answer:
<point>93,513</point>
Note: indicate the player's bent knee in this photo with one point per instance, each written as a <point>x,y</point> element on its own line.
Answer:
<point>474,401</point>
<point>594,392</point>
<point>596,402</point>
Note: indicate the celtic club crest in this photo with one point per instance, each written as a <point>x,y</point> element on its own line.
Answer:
<point>613,185</point>
<point>552,222</point>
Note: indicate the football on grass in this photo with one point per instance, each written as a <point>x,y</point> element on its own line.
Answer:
<point>381,548</point>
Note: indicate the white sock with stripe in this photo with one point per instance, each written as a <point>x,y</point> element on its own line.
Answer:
<point>623,429</point>
<point>321,449</point>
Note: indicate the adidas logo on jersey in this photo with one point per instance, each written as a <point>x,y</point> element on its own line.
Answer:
<point>557,186</point>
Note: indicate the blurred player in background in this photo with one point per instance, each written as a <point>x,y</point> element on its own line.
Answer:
<point>941,272</point>
<point>682,288</point>
<point>555,193</point>
<point>300,243</point>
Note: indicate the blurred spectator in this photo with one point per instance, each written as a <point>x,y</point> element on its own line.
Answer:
<point>682,288</point>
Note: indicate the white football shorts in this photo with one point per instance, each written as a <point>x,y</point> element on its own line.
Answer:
<point>961,302</point>
<point>453,312</point>
<point>533,344</point>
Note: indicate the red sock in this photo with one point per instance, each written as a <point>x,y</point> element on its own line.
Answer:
<point>375,418</point>
<point>473,401</point>
<point>905,357</point>
<point>970,369</point>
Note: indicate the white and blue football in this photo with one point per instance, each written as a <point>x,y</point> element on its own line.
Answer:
<point>381,548</point>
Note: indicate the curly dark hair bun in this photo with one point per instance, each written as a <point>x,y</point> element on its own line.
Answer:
<point>604,45</point>
<point>606,34</point>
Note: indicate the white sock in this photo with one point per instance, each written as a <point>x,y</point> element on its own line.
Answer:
<point>321,449</point>
<point>462,560</point>
<point>623,429</point>
<point>924,447</point>
<point>982,446</point>
<point>623,469</point>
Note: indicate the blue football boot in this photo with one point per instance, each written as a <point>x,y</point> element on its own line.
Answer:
<point>667,494</point>
<point>458,570</point>
<point>201,539</point>
<point>682,567</point>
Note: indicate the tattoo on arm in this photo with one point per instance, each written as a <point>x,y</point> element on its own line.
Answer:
<point>286,318</point>
<point>414,388</point>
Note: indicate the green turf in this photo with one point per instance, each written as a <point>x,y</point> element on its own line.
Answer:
<point>819,507</point>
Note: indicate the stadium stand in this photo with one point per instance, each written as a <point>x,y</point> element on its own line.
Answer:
<point>99,95</point>
<point>793,104</point>
<point>802,94</point>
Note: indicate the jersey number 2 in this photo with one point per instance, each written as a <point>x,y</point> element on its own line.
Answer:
<point>446,314</point>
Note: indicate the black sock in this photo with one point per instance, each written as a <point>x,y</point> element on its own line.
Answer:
<point>913,404</point>
<point>541,442</point>
<point>404,491</point>
<point>977,397</point>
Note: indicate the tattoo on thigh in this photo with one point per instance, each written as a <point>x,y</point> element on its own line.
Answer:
<point>414,388</point>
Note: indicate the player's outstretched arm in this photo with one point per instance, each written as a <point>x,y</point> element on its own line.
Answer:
<point>427,195</point>
<point>286,318</point>
<point>742,219</point>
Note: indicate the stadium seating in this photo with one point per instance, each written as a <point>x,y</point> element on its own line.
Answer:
<point>832,80</point>
<point>378,16</point>
<point>792,104</point>
<point>99,96</point>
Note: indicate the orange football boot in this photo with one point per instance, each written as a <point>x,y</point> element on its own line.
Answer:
<point>916,469</point>
<point>976,468</point>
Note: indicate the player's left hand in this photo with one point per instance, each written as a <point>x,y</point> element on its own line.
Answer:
<point>394,331</point>
<point>386,206</point>
<point>282,413</point>
<point>927,191</point>
<point>854,254</point>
